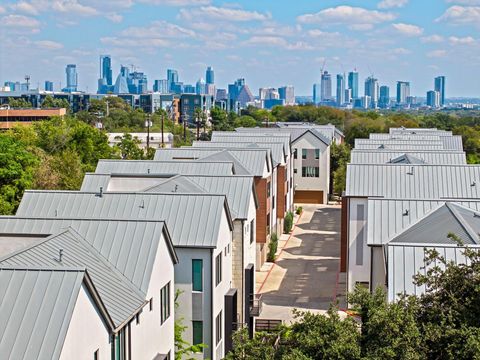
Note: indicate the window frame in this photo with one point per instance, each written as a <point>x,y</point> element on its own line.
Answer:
<point>304,154</point>
<point>199,288</point>
<point>218,269</point>
<point>165,311</point>
<point>197,325</point>
<point>218,328</point>
<point>317,154</point>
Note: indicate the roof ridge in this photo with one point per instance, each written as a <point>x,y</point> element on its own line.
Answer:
<point>462,221</point>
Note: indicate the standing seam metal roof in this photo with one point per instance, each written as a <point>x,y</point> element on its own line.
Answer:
<point>429,157</point>
<point>285,139</point>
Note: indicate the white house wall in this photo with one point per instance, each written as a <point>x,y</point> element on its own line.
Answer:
<point>87,332</point>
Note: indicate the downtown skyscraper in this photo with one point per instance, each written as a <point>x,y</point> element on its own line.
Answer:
<point>440,87</point>
<point>372,90</point>
<point>326,84</point>
<point>105,81</point>
<point>353,83</point>
<point>403,92</point>
<point>71,77</point>
<point>340,89</point>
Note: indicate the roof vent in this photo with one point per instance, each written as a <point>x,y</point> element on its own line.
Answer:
<point>142,205</point>
<point>148,171</point>
<point>176,188</point>
<point>56,212</point>
<point>411,171</point>
<point>100,193</point>
<point>406,212</point>
<point>60,255</point>
<point>473,183</point>
<point>475,215</point>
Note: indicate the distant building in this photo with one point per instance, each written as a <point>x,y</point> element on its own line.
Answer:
<point>270,103</point>
<point>210,76</point>
<point>287,93</point>
<point>178,88</point>
<point>240,93</point>
<point>403,92</point>
<point>137,83</point>
<point>72,78</point>
<point>200,87</point>
<point>161,86</point>
<point>105,84</point>
<point>348,96</point>
<point>268,94</point>
<point>187,89</point>
<point>13,117</point>
<point>340,89</point>
<point>372,90</point>
<point>172,78</point>
<point>48,85</point>
<point>366,102</point>
<point>353,83</point>
<point>440,87</point>
<point>384,100</point>
<point>433,99</point>
<point>326,86</point>
<point>121,84</point>
<point>317,98</point>
<point>221,94</point>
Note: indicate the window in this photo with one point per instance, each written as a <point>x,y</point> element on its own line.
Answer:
<point>252,231</point>
<point>137,317</point>
<point>218,328</point>
<point>151,304</point>
<point>295,153</point>
<point>310,171</point>
<point>268,224</point>
<point>273,202</point>
<point>164,303</point>
<point>218,269</point>
<point>317,154</point>
<point>96,355</point>
<point>294,171</point>
<point>268,189</point>
<point>197,275</point>
<point>197,332</point>
<point>304,154</point>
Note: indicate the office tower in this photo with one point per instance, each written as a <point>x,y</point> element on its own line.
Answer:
<point>240,93</point>
<point>353,83</point>
<point>221,94</point>
<point>137,82</point>
<point>340,89</point>
<point>440,87</point>
<point>317,90</point>
<point>48,85</point>
<point>403,92</point>
<point>433,99</point>
<point>348,96</point>
<point>384,101</point>
<point>72,78</point>
<point>121,84</point>
<point>106,68</point>
<point>200,88</point>
<point>268,94</point>
<point>366,102</point>
<point>287,93</point>
<point>210,75</point>
<point>172,78</point>
<point>326,82</point>
<point>188,89</point>
<point>372,90</point>
<point>161,86</point>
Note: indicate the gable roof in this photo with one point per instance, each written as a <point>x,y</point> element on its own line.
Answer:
<point>435,227</point>
<point>119,241</point>
<point>233,136</point>
<point>193,220</point>
<point>406,159</point>
<point>430,157</point>
<point>36,306</point>
<point>176,184</point>
<point>183,167</point>
<point>295,132</point>
<point>121,298</point>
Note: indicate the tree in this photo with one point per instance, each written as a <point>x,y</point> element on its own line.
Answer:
<point>260,347</point>
<point>50,102</point>
<point>129,147</point>
<point>339,157</point>
<point>19,103</point>
<point>245,121</point>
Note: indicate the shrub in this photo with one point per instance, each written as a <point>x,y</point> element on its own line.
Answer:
<point>288,222</point>
<point>299,210</point>
<point>272,248</point>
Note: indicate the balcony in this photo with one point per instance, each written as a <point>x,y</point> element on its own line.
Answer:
<point>255,305</point>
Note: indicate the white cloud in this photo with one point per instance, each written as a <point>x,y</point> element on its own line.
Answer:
<point>48,45</point>
<point>176,2</point>
<point>346,15</point>
<point>142,43</point>
<point>222,13</point>
<point>19,21</point>
<point>432,39</point>
<point>401,51</point>
<point>114,17</point>
<point>465,2</point>
<point>158,29</point>
<point>322,34</point>
<point>437,53</point>
<point>361,27</point>
<point>277,41</point>
<point>467,40</point>
<point>387,4</point>
<point>2,10</point>
<point>461,15</point>
<point>25,7</point>
<point>408,29</point>
<point>73,7</point>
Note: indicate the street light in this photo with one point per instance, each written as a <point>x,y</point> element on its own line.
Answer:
<point>98,123</point>
<point>148,124</point>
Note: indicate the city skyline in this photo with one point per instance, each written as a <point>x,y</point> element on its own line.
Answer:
<point>395,40</point>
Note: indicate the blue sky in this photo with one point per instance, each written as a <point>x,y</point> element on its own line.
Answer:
<point>268,42</point>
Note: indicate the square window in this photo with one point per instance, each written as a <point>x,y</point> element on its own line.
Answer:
<point>151,304</point>
<point>317,154</point>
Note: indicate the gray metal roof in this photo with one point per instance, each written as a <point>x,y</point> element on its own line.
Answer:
<point>413,181</point>
<point>233,136</point>
<point>177,184</point>
<point>193,220</point>
<point>36,306</point>
<point>388,218</point>
<point>329,130</point>
<point>247,165</point>
<point>93,182</point>
<point>121,298</point>
<point>406,159</point>
<point>119,241</point>
<point>434,228</point>
<point>398,144</point>
<point>429,157</point>
<point>182,167</point>
<point>449,142</point>
<point>423,131</point>
<point>295,132</point>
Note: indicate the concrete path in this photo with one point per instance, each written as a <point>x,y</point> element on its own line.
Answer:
<point>305,275</point>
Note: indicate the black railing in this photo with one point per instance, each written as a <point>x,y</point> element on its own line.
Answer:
<point>255,305</point>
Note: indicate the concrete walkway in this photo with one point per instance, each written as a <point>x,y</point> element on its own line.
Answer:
<point>305,275</point>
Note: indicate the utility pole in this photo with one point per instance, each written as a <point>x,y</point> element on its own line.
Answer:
<point>148,123</point>
<point>162,118</point>
<point>197,120</point>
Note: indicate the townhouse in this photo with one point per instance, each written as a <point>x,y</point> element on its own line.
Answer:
<point>138,296</point>
<point>407,157</point>
<point>201,234</point>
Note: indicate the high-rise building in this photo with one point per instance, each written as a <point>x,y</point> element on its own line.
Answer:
<point>287,93</point>
<point>348,96</point>
<point>72,78</point>
<point>221,94</point>
<point>353,83</point>
<point>172,78</point>
<point>121,84</point>
<point>326,82</point>
<point>187,89</point>
<point>210,75</point>
<point>372,90</point>
<point>268,94</point>
<point>403,92</point>
<point>434,99</point>
<point>366,102</point>
<point>317,98</point>
<point>240,93</point>
<point>384,100</point>
<point>48,85</point>
<point>137,82</point>
<point>200,88</point>
<point>161,86</point>
<point>106,68</point>
<point>340,89</point>
<point>440,87</point>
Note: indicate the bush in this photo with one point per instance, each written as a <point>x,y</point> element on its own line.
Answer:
<point>272,248</point>
<point>299,210</point>
<point>288,222</point>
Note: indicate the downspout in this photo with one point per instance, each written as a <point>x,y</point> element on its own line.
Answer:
<point>212,315</point>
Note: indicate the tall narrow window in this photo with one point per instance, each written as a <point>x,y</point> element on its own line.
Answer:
<point>197,332</point>
<point>295,153</point>
<point>218,328</point>
<point>218,269</point>
<point>252,231</point>
<point>197,275</point>
<point>317,154</point>
<point>164,303</point>
<point>304,154</point>
<point>96,355</point>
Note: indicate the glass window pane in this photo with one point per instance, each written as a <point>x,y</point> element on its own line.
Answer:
<point>197,275</point>
<point>197,332</point>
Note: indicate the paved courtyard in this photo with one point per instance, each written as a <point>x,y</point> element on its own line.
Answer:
<point>306,274</point>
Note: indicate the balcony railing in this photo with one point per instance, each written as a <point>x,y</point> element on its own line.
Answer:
<point>255,305</point>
